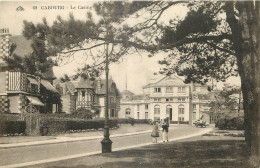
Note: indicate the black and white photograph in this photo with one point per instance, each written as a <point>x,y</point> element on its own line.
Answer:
<point>130,84</point>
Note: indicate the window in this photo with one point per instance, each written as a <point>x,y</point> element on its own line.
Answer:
<point>111,100</point>
<point>83,93</point>
<point>112,113</point>
<point>34,88</point>
<point>194,106</point>
<point>171,99</point>
<point>157,90</point>
<point>181,100</point>
<point>146,115</point>
<point>127,112</point>
<point>181,89</point>
<point>169,89</point>
<point>157,99</point>
<point>138,115</point>
<point>167,100</point>
<point>156,109</point>
<point>181,118</point>
<point>138,107</point>
<point>146,107</point>
<point>181,109</point>
<point>194,115</point>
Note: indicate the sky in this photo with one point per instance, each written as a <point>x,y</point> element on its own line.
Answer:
<point>136,69</point>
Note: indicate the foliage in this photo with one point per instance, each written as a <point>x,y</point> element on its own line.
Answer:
<point>231,123</point>
<point>228,102</point>
<point>56,125</point>
<point>83,113</point>
<point>12,127</point>
<point>131,120</point>
<point>65,78</point>
<point>37,62</point>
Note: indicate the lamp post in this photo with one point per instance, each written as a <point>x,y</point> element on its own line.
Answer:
<point>106,142</point>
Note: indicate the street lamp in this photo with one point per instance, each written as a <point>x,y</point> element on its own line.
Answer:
<point>106,142</point>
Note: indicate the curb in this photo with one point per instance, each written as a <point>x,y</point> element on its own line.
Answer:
<point>67,139</point>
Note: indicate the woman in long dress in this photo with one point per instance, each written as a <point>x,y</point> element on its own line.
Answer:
<point>155,132</point>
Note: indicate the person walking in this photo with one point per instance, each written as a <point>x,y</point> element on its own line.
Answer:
<point>155,132</point>
<point>165,130</point>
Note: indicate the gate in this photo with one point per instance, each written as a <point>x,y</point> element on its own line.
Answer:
<point>32,120</point>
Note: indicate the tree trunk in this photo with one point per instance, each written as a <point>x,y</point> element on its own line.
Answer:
<point>248,57</point>
<point>246,39</point>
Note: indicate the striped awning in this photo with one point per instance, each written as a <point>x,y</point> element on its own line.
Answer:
<point>35,101</point>
<point>33,81</point>
<point>48,86</point>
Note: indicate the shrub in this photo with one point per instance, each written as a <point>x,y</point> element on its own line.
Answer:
<point>230,123</point>
<point>58,125</point>
<point>12,127</point>
<point>131,121</point>
<point>84,113</point>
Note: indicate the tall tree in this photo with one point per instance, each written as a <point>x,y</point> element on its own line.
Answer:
<point>214,40</point>
<point>36,62</point>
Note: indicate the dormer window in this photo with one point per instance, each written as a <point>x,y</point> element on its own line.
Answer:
<point>157,90</point>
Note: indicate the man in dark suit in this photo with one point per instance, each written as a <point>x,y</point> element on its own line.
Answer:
<point>165,130</point>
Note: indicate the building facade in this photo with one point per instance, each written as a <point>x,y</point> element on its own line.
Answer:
<point>21,92</point>
<point>167,97</point>
<point>84,93</point>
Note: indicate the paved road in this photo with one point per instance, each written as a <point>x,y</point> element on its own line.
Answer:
<point>18,155</point>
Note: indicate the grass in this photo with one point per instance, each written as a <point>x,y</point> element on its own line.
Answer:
<point>196,152</point>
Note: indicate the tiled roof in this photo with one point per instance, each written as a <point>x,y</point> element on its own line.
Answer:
<point>127,92</point>
<point>84,83</point>
<point>103,86</point>
<point>71,86</point>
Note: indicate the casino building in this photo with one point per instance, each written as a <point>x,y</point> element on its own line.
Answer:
<point>168,97</point>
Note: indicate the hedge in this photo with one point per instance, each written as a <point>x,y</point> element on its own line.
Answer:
<point>230,123</point>
<point>179,122</point>
<point>12,127</point>
<point>56,126</point>
<point>133,121</point>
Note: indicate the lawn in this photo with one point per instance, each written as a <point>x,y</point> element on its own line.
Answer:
<point>196,152</point>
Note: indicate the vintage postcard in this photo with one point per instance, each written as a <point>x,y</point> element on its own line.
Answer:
<point>129,84</point>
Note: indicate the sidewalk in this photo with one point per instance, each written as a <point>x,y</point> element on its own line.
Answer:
<point>124,130</point>
<point>199,151</point>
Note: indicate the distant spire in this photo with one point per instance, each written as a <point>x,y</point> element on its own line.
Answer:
<point>125,81</point>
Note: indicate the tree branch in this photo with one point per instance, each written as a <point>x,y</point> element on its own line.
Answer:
<point>219,48</point>
<point>82,49</point>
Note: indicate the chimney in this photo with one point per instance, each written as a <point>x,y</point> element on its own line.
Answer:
<point>99,84</point>
<point>5,42</point>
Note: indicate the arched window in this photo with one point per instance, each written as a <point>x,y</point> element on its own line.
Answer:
<point>181,109</point>
<point>156,109</point>
<point>168,109</point>
<point>127,113</point>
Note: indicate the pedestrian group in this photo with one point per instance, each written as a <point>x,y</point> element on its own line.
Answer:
<point>155,132</point>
